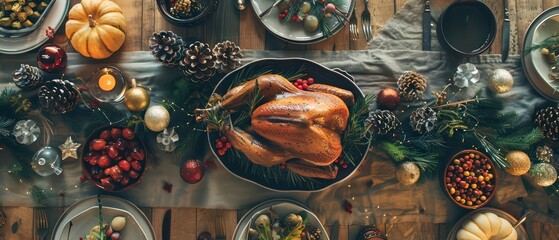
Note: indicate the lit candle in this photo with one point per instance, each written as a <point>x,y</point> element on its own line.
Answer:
<point>107,82</point>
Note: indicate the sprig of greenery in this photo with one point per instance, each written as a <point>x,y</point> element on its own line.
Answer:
<point>101,235</point>
<point>426,161</point>
<point>550,42</point>
<point>39,196</point>
<point>356,134</point>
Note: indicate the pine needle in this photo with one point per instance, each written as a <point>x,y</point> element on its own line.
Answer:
<point>39,196</point>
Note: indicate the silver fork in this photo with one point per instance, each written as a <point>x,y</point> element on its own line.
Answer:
<point>366,22</point>
<point>353,29</point>
<point>41,223</point>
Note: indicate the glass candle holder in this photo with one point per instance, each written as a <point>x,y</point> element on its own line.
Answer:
<point>107,84</point>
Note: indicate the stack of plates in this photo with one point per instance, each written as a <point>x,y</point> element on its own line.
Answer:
<point>534,64</point>
<point>294,32</point>
<point>54,19</point>
<point>78,220</point>
<point>282,207</point>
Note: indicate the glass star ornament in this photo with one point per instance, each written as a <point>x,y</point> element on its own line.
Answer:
<point>466,75</point>
<point>69,149</point>
<point>167,139</point>
<point>26,131</point>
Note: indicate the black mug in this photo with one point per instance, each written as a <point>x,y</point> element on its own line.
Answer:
<point>466,28</point>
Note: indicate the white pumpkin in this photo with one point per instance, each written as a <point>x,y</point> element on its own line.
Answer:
<point>486,226</point>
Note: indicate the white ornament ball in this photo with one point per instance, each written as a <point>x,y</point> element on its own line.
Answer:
<point>157,118</point>
<point>407,173</point>
<point>500,81</point>
<point>544,174</point>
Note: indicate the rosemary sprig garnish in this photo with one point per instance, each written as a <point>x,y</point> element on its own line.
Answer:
<point>549,43</point>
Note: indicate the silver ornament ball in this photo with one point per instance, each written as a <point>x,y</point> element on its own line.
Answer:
<point>407,173</point>
<point>544,174</point>
<point>500,81</point>
<point>157,118</point>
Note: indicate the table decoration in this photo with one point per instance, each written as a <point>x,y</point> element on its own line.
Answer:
<point>423,120</point>
<point>388,99</point>
<point>157,118</point>
<point>371,233</point>
<point>136,98</point>
<point>107,84</point>
<point>288,19</point>
<point>46,162</point>
<point>26,131</point>
<point>167,139</point>
<point>547,121</point>
<point>544,174</point>
<point>114,159</point>
<point>27,77</point>
<point>167,47</point>
<point>466,75</point>
<point>192,171</point>
<point>262,217</point>
<point>58,96</point>
<point>500,81</point>
<point>411,86</point>
<point>407,173</point>
<point>228,56</point>
<point>519,163</point>
<point>51,58</point>
<point>198,11</point>
<point>381,122</point>
<point>544,153</point>
<point>102,20</point>
<point>199,63</point>
<point>69,149</point>
<point>466,28</point>
<point>476,223</point>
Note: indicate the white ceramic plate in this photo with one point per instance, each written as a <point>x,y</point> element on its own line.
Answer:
<point>535,66</point>
<point>282,208</point>
<point>54,19</point>
<point>294,32</point>
<point>83,217</point>
<point>521,232</point>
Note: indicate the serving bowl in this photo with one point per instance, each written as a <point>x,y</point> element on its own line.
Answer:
<point>208,8</point>
<point>9,32</point>
<point>521,232</point>
<point>278,181</point>
<point>128,149</point>
<point>460,175</point>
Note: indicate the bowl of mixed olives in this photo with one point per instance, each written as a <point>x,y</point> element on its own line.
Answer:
<point>21,17</point>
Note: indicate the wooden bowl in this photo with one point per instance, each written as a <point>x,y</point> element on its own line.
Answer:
<point>87,168</point>
<point>209,7</point>
<point>445,178</point>
<point>466,28</point>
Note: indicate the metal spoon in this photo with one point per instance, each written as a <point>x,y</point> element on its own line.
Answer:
<point>240,4</point>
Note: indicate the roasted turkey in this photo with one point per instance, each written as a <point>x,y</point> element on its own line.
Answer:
<point>301,128</point>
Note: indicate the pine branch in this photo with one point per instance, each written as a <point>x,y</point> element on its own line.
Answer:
<point>426,161</point>
<point>521,140</point>
<point>549,43</point>
<point>39,196</point>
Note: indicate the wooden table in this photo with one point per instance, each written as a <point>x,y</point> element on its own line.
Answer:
<point>244,28</point>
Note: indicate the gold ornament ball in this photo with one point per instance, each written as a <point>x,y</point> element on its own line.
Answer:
<point>136,99</point>
<point>519,163</point>
<point>157,118</point>
<point>500,81</point>
<point>407,173</point>
<point>544,174</point>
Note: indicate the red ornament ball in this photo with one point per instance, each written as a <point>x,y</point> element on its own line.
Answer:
<point>388,99</point>
<point>192,171</point>
<point>52,58</point>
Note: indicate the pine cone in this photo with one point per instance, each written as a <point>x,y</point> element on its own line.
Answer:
<point>228,55</point>
<point>381,122</point>
<point>58,96</point>
<point>181,8</point>
<point>412,85</point>
<point>199,62</point>
<point>423,119</point>
<point>548,121</point>
<point>371,232</point>
<point>27,77</point>
<point>167,47</point>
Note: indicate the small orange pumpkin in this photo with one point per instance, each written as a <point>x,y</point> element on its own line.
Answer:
<point>96,28</point>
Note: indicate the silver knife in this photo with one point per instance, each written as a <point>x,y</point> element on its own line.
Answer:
<point>166,228</point>
<point>506,33</point>
<point>427,27</point>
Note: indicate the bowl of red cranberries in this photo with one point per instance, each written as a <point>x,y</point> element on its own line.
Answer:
<point>114,159</point>
<point>470,179</point>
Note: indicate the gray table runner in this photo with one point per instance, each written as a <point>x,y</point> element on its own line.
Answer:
<point>386,201</point>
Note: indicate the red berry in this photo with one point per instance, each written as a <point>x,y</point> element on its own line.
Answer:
<point>116,133</point>
<point>127,133</point>
<point>94,161</point>
<point>124,165</point>
<point>120,144</point>
<point>305,86</point>
<point>105,134</point>
<point>298,20</point>
<point>281,16</point>
<point>344,166</point>
<point>104,161</point>
<point>137,154</point>
<point>285,11</point>
<point>133,174</point>
<point>115,236</point>
<point>98,144</point>
<point>310,81</point>
<point>124,180</point>
<point>116,173</point>
<point>109,232</point>
<point>137,166</point>
<point>107,184</point>
<point>112,152</point>
<point>300,87</point>
<point>219,145</point>
<point>107,172</point>
<point>82,178</point>
<point>227,145</point>
<point>221,152</point>
<point>299,81</point>
<point>223,139</point>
